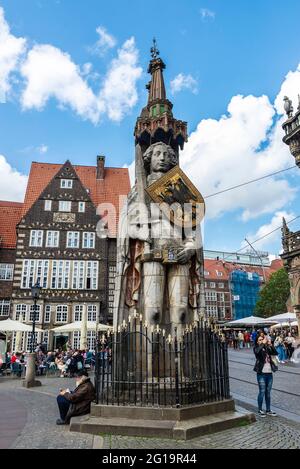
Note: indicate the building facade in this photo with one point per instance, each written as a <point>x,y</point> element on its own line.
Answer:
<point>232,287</point>
<point>66,241</point>
<point>10,213</point>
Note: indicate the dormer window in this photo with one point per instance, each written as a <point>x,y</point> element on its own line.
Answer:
<point>48,205</point>
<point>64,206</point>
<point>81,207</point>
<point>66,184</point>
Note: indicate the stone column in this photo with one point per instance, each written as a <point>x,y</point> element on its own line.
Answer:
<point>30,380</point>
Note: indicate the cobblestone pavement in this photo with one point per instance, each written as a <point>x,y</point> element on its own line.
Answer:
<point>40,430</point>
<point>264,434</point>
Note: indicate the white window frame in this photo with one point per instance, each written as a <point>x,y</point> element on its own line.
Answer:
<point>222,297</point>
<point>28,340</point>
<point>73,239</point>
<point>52,239</point>
<point>78,312</point>
<point>66,183</point>
<point>61,314</point>
<point>88,240</point>
<point>35,271</point>
<point>81,207</point>
<point>47,314</point>
<point>65,206</point>
<point>76,339</point>
<point>92,311</point>
<point>212,285</point>
<point>45,338</point>
<point>212,311</point>
<point>37,313</point>
<point>221,285</point>
<point>6,272</point>
<point>91,340</point>
<point>48,205</point>
<point>4,305</point>
<point>36,238</point>
<point>21,308</point>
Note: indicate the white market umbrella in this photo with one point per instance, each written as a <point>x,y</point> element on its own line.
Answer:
<point>285,324</point>
<point>19,337</point>
<point>83,331</point>
<point>250,321</point>
<point>76,326</point>
<point>285,317</point>
<point>14,326</point>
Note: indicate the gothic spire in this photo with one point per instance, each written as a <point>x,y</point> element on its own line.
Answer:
<point>156,87</point>
<point>156,122</point>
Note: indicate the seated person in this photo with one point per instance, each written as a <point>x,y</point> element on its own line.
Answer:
<point>78,402</point>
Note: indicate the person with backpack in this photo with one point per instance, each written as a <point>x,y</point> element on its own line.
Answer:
<point>265,366</point>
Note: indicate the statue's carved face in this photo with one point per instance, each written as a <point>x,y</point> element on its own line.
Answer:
<point>162,159</point>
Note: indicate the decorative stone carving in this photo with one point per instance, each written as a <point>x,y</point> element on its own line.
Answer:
<point>64,217</point>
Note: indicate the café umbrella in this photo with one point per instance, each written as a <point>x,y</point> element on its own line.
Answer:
<point>8,325</point>
<point>77,326</point>
<point>250,321</point>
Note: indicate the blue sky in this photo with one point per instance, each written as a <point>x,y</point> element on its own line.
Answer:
<point>223,53</point>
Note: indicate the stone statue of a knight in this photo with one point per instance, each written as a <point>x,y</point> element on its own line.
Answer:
<point>160,260</point>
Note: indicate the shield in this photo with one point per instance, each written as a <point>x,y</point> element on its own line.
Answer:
<point>175,190</point>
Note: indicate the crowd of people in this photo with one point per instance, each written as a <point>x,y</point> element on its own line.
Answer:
<point>66,363</point>
<point>284,341</point>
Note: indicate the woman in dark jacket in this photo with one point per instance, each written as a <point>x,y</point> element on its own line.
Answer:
<point>264,367</point>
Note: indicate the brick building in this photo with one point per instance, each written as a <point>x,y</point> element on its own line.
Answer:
<point>58,244</point>
<point>232,288</point>
<point>10,214</point>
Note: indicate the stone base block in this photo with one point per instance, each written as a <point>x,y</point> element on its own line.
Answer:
<point>178,424</point>
<point>31,384</point>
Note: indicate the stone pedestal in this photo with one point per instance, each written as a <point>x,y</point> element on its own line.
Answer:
<point>178,424</point>
<point>30,381</point>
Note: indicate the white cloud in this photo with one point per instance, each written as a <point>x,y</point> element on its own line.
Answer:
<point>51,73</point>
<point>240,146</point>
<point>12,183</point>
<point>42,149</point>
<point>207,14</point>
<point>11,50</point>
<point>105,42</point>
<point>118,93</point>
<point>181,82</point>
<point>272,228</point>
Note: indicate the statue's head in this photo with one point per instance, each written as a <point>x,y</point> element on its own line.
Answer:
<point>160,158</point>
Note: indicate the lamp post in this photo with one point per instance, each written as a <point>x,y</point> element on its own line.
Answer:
<point>30,380</point>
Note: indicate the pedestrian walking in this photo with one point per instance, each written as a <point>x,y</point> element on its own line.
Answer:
<point>265,366</point>
<point>241,339</point>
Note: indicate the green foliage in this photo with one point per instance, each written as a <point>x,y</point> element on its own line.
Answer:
<point>273,297</point>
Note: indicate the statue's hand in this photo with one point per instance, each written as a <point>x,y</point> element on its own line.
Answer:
<point>184,256</point>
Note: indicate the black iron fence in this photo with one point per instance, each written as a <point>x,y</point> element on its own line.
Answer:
<point>142,366</point>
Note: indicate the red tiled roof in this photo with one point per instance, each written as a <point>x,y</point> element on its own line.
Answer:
<point>10,214</point>
<point>115,183</point>
<point>213,266</point>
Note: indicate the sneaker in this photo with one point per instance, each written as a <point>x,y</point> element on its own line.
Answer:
<point>261,414</point>
<point>271,413</point>
<point>60,422</point>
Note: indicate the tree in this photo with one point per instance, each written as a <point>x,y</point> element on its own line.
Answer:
<point>273,297</point>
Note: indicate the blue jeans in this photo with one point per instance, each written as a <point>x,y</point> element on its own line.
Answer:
<point>63,405</point>
<point>265,382</point>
